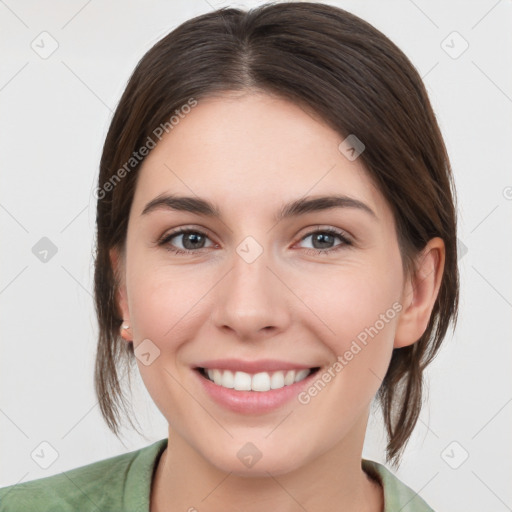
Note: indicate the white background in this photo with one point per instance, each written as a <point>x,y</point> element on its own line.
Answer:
<point>54,116</point>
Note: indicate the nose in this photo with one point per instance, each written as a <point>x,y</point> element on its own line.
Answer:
<point>252,302</point>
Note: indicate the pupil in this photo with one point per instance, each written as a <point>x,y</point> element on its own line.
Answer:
<point>323,238</point>
<point>191,237</point>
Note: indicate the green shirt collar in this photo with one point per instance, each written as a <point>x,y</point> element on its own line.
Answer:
<point>397,496</point>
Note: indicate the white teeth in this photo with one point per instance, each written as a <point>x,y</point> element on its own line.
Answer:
<point>217,377</point>
<point>263,381</point>
<point>228,380</point>
<point>277,380</point>
<point>301,375</point>
<point>242,381</point>
<point>289,377</point>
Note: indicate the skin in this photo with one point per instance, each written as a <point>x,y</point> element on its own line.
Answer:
<point>250,153</point>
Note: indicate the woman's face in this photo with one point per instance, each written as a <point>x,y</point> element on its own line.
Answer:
<point>260,292</point>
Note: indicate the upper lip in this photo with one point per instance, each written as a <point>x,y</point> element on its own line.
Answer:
<point>261,365</point>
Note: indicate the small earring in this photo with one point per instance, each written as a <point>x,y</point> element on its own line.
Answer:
<point>126,326</point>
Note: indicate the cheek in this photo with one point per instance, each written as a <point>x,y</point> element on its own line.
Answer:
<point>357,308</point>
<point>162,299</point>
<point>163,302</point>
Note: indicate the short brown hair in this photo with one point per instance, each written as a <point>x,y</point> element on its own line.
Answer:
<point>358,82</point>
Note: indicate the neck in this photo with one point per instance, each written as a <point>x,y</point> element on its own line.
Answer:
<point>334,480</point>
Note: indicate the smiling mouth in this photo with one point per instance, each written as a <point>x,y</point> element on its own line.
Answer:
<point>262,381</point>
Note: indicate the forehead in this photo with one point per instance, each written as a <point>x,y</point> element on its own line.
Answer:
<point>252,151</point>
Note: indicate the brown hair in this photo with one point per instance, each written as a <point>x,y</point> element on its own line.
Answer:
<point>358,82</point>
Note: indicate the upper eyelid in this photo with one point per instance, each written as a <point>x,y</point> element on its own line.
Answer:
<point>184,231</point>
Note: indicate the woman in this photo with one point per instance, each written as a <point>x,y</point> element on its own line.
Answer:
<point>276,247</point>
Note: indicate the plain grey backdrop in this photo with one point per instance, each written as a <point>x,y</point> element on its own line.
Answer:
<point>64,67</point>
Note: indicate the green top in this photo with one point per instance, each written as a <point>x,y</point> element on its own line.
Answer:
<point>123,483</point>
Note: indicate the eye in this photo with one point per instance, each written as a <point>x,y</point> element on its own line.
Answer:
<point>191,240</point>
<point>323,239</point>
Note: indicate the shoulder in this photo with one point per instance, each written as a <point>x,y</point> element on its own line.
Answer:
<point>397,495</point>
<point>99,486</point>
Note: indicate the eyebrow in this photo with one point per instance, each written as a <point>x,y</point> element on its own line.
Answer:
<point>295,208</point>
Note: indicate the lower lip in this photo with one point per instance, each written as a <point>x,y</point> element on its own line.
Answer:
<point>253,402</point>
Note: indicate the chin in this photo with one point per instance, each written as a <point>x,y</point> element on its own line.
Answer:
<point>248,461</point>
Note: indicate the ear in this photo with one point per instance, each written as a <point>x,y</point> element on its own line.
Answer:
<point>420,293</point>
<point>117,263</point>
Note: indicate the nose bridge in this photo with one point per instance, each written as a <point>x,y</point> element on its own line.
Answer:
<point>250,298</point>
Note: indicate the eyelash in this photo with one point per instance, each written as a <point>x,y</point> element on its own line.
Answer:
<point>331,231</point>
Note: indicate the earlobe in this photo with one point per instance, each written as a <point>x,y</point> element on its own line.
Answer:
<point>420,294</point>
<point>121,296</point>
<point>125,332</point>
